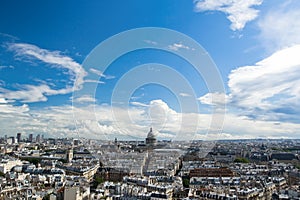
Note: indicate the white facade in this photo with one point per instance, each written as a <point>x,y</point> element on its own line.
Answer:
<point>7,165</point>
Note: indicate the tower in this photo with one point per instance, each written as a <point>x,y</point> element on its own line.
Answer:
<point>38,138</point>
<point>19,137</point>
<point>30,138</point>
<point>69,155</point>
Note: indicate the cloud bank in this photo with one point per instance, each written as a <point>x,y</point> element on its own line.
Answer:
<point>59,121</point>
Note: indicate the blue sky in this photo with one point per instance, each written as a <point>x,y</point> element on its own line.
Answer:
<point>253,43</point>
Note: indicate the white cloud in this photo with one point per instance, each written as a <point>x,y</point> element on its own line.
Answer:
<point>109,77</point>
<point>269,88</point>
<point>99,73</point>
<point>6,108</point>
<point>93,81</point>
<point>2,101</point>
<point>98,121</point>
<point>161,115</point>
<point>243,127</point>
<point>214,99</point>
<point>55,58</point>
<point>184,94</point>
<point>178,46</point>
<point>280,27</point>
<point>136,103</point>
<point>84,99</point>
<point>32,93</point>
<point>8,66</point>
<point>239,12</point>
<point>35,93</point>
<point>150,42</point>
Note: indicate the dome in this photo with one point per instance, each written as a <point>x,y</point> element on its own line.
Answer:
<point>150,140</point>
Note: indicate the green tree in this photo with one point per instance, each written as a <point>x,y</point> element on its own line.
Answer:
<point>241,160</point>
<point>186,182</point>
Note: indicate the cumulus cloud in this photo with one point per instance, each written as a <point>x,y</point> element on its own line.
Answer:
<point>91,121</point>
<point>99,122</point>
<point>11,116</point>
<point>238,12</point>
<point>161,115</point>
<point>270,88</point>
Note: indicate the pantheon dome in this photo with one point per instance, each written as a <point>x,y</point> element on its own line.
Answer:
<point>150,140</point>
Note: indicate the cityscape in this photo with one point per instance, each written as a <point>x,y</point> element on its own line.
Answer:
<point>78,168</point>
<point>150,100</point>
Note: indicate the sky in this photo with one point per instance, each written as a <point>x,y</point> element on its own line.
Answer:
<point>202,69</point>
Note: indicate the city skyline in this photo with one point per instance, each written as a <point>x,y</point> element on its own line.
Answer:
<point>253,44</point>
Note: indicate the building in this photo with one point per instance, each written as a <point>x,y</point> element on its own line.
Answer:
<point>69,155</point>
<point>212,172</point>
<point>30,138</point>
<point>10,140</point>
<point>38,138</point>
<point>7,164</point>
<point>76,193</point>
<point>19,135</point>
<point>150,140</point>
<point>75,142</point>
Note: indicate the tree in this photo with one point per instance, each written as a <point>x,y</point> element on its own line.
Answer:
<point>241,160</point>
<point>186,182</point>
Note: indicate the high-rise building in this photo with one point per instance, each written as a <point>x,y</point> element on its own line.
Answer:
<point>30,138</point>
<point>38,138</point>
<point>19,135</point>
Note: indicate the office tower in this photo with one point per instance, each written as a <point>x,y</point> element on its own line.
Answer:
<point>19,137</point>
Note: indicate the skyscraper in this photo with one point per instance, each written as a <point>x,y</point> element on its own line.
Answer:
<point>30,138</point>
<point>19,137</point>
<point>38,138</point>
